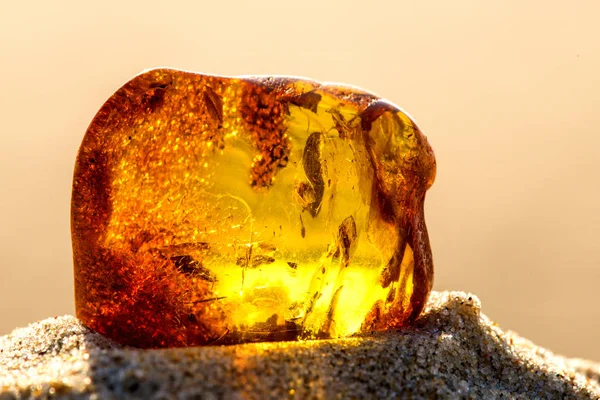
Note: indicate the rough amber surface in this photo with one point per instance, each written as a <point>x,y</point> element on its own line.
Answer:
<point>211,210</point>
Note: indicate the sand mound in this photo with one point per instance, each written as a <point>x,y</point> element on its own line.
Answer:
<point>452,352</point>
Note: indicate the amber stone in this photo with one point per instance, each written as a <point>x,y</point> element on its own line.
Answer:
<point>212,210</point>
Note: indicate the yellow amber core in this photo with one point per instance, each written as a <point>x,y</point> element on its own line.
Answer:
<point>210,210</point>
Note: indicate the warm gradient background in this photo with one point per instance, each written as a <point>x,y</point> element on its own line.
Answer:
<point>508,93</point>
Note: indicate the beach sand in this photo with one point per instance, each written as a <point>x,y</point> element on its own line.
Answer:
<point>453,351</point>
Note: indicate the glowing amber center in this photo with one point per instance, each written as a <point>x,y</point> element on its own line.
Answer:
<point>220,210</point>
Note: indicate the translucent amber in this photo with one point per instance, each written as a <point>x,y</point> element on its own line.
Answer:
<point>211,210</point>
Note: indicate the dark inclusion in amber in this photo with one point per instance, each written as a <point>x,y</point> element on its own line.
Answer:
<point>211,210</point>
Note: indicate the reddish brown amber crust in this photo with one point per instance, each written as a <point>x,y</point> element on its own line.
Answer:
<point>147,273</point>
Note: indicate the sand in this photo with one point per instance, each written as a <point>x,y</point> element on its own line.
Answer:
<point>453,351</point>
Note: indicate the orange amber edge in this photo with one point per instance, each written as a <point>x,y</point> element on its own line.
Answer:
<point>211,210</point>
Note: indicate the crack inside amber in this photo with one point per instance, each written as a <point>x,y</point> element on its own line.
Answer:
<point>211,210</point>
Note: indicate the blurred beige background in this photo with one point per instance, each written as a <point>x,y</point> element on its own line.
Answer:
<point>508,93</point>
